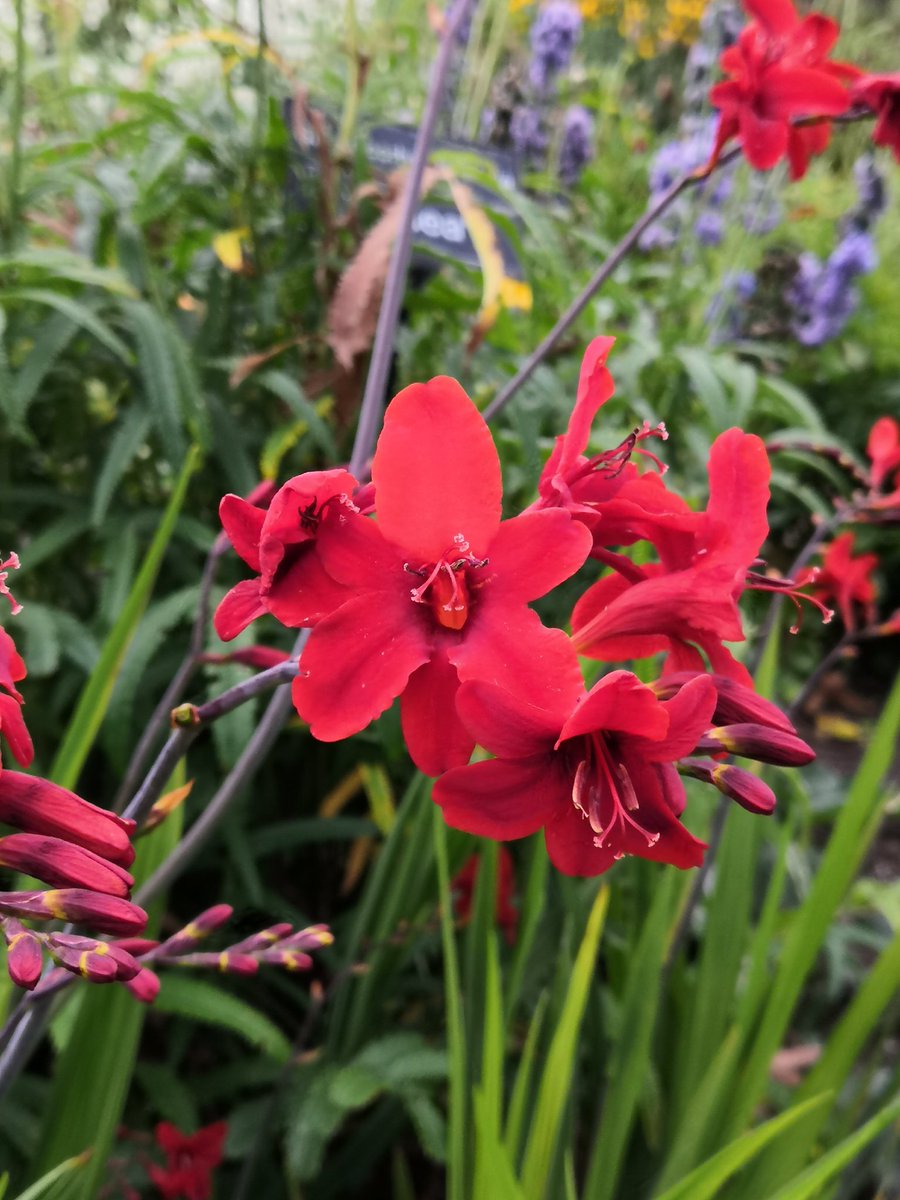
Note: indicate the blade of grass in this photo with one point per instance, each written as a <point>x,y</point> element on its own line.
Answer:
<point>94,699</point>
<point>521,1093</point>
<point>456,1035</point>
<point>556,1082</point>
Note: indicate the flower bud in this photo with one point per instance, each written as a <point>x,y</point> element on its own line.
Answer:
<point>186,939</point>
<point>310,938</point>
<point>224,960</point>
<point>144,986</point>
<point>742,786</point>
<point>735,704</point>
<point>265,939</point>
<point>60,863</point>
<point>38,806</point>
<point>107,913</point>
<point>259,657</point>
<point>100,962</point>
<point>764,744</point>
<point>24,954</point>
<point>293,960</point>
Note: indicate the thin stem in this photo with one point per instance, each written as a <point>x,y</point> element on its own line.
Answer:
<point>395,284</point>
<point>843,649</point>
<point>600,276</point>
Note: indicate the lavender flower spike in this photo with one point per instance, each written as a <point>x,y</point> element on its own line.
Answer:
<point>554,35</point>
<point>575,149</point>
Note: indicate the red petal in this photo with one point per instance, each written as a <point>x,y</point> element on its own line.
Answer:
<point>17,736</point>
<point>570,844</point>
<point>305,593</point>
<point>238,608</point>
<point>12,665</point>
<point>436,472</point>
<point>435,736</point>
<point>618,702</point>
<point>503,799</point>
<point>814,39</point>
<point>690,716</point>
<point>36,805</point>
<point>765,142</point>
<point>506,644</point>
<point>355,552</point>
<point>243,524</point>
<point>802,91</point>
<point>356,663</point>
<point>535,552</point>
<point>776,16</point>
<point>595,386</point>
<point>506,725</point>
<point>739,474</point>
<point>595,601</point>
<point>62,864</point>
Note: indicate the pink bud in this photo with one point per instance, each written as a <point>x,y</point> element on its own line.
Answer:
<point>36,805</point>
<point>60,863</point>
<point>95,960</point>
<point>264,939</point>
<point>24,956</point>
<point>186,939</point>
<point>144,986</point>
<point>107,913</point>
<point>734,704</point>
<point>742,786</point>
<point>760,742</point>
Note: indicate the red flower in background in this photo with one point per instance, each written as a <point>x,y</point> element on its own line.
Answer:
<point>687,602</point>
<point>190,1160</point>
<point>463,889</point>
<point>846,581</point>
<point>881,93</point>
<point>279,544</point>
<point>884,450</point>
<point>594,771</point>
<point>438,585</point>
<point>779,71</point>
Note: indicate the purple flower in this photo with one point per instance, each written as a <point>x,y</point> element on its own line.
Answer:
<point>575,149</point>
<point>527,133</point>
<point>823,295</point>
<point>872,189</point>
<point>709,227</point>
<point>554,34</point>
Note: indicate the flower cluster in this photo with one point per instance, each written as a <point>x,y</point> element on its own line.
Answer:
<point>554,36</point>
<point>822,296</point>
<point>190,1160</point>
<point>415,588</point>
<point>137,958</point>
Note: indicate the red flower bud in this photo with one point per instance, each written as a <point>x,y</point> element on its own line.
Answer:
<point>38,806</point>
<point>746,788</point>
<point>186,939</point>
<point>60,863</point>
<point>24,957</point>
<point>144,986</point>
<point>735,704</point>
<point>108,913</point>
<point>264,940</point>
<point>293,960</point>
<point>101,962</point>
<point>226,960</point>
<point>757,741</point>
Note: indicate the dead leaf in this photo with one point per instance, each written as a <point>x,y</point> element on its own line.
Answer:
<point>251,362</point>
<point>353,312</point>
<point>228,248</point>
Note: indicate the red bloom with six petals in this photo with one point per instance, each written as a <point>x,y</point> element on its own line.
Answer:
<point>190,1160</point>
<point>594,771</point>
<point>778,71</point>
<point>438,585</point>
<point>845,580</point>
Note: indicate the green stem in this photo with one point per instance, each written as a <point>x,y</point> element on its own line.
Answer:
<point>487,68</point>
<point>354,86</point>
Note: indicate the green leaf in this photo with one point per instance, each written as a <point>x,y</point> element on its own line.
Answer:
<point>94,699</point>
<point>556,1081</point>
<point>158,375</point>
<point>42,1188</point>
<point>126,441</point>
<point>810,1184</point>
<point>704,1182</point>
<point>200,1000</point>
<point>80,315</point>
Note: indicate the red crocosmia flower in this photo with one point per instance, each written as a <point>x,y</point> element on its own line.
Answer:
<point>687,602</point>
<point>845,580</point>
<point>439,586</point>
<point>594,771</point>
<point>884,451</point>
<point>606,492</point>
<point>463,888</point>
<point>279,544</point>
<point>190,1160</point>
<point>778,70</point>
<point>881,93</point>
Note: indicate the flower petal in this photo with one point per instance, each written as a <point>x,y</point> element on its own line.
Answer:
<point>595,387</point>
<point>355,552</point>
<point>356,663</point>
<point>570,844</point>
<point>305,593</point>
<point>619,702</point>
<point>776,16</point>
<point>14,730</point>
<point>243,524</point>
<point>506,725</point>
<point>238,608</point>
<point>435,736</point>
<point>690,715</point>
<point>503,799</point>
<point>436,472</point>
<point>765,142</point>
<point>535,552</point>
<point>803,91</point>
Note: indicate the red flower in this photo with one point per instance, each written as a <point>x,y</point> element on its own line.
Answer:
<point>190,1160</point>
<point>279,545</point>
<point>463,888</point>
<point>438,585</point>
<point>36,805</point>
<point>884,451</point>
<point>845,580</point>
<point>778,71</point>
<point>687,602</point>
<point>594,771</point>
<point>881,93</point>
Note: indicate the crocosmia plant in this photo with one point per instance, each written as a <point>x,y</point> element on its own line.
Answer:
<point>449,690</point>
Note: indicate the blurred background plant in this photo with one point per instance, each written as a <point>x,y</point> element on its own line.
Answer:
<point>181,189</point>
